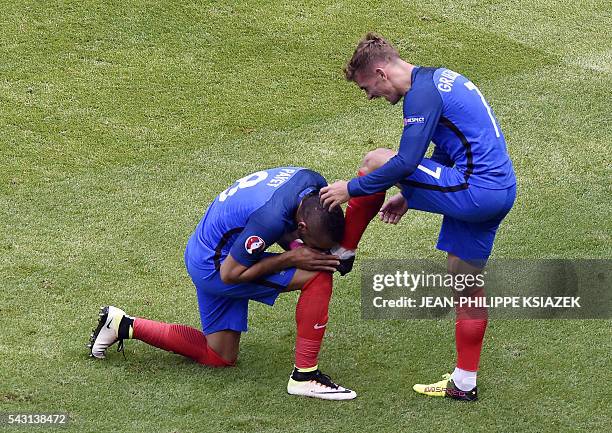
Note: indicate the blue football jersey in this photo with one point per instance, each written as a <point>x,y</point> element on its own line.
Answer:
<point>445,107</point>
<point>250,215</point>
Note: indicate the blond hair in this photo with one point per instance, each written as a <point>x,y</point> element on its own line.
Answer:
<point>372,49</point>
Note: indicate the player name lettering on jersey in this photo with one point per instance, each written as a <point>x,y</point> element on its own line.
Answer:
<point>281,177</point>
<point>446,80</point>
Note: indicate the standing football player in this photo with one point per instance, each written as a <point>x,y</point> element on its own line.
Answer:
<point>469,179</point>
<point>227,260</point>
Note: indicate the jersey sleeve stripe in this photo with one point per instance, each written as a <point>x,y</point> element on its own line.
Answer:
<point>224,240</point>
<point>466,144</point>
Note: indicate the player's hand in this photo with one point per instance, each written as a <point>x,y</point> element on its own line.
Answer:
<point>310,259</point>
<point>394,209</point>
<point>335,194</point>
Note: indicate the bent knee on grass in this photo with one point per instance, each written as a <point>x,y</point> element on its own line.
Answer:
<point>225,343</point>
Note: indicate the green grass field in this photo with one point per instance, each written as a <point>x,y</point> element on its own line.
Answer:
<point>120,121</point>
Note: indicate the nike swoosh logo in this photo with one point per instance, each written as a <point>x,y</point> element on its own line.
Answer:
<point>346,391</point>
<point>317,326</point>
<point>109,323</point>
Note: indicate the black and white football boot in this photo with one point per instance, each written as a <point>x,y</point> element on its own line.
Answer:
<point>347,258</point>
<point>113,326</point>
<point>317,385</point>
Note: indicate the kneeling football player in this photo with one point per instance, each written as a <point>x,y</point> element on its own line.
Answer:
<point>229,266</point>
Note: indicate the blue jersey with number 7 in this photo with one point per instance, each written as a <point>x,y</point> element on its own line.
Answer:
<point>250,215</point>
<point>447,109</point>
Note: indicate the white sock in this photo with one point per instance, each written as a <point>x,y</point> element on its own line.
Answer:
<point>463,379</point>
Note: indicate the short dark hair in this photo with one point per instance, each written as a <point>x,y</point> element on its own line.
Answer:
<point>321,220</point>
<point>373,48</point>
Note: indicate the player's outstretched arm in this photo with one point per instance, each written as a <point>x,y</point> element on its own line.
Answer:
<point>335,194</point>
<point>232,272</point>
<point>394,209</point>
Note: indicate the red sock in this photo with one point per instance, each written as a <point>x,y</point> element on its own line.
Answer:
<point>469,332</point>
<point>359,213</point>
<point>181,339</point>
<point>311,318</point>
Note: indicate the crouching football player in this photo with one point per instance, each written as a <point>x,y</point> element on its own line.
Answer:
<point>229,266</point>
<point>469,179</point>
